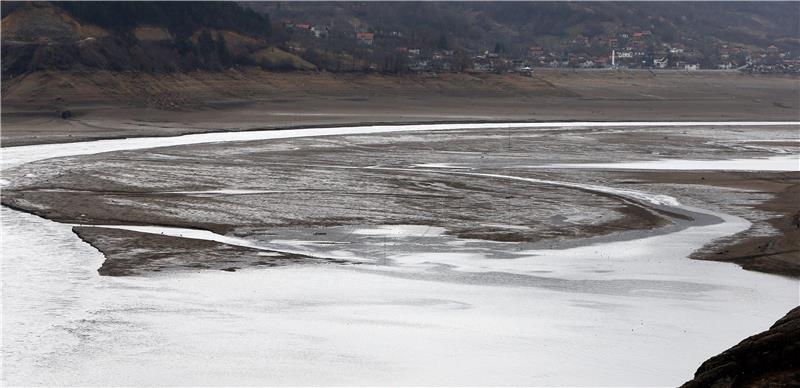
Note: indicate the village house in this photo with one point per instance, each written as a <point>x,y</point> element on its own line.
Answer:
<point>441,55</point>
<point>443,66</point>
<point>661,63</point>
<point>420,65</point>
<point>581,40</point>
<point>772,49</point>
<point>367,38</point>
<point>792,63</point>
<point>319,32</point>
<point>481,65</point>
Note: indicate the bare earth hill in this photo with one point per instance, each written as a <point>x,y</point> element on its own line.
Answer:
<point>115,104</point>
<point>182,36</point>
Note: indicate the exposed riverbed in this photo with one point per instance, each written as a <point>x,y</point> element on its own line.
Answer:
<point>411,304</point>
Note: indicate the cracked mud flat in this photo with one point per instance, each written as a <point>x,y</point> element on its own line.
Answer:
<point>471,263</point>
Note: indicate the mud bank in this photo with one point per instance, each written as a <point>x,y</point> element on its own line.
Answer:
<point>631,312</point>
<point>106,105</point>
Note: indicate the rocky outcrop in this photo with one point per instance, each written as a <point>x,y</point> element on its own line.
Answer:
<point>768,359</point>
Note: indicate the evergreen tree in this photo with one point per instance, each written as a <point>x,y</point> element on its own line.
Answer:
<point>224,55</point>
<point>207,49</point>
<point>442,45</point>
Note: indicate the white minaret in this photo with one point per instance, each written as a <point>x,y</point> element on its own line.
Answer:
<point>613,57</point>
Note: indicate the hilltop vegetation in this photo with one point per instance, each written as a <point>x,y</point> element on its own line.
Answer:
<point>181,18</point>
<point>518,25</point>
<point>138,36</point>
<point>553,34</point>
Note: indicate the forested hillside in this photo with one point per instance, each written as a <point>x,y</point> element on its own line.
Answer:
<point>141,36</point>
<point>517,25</point>
<point>392,37</point>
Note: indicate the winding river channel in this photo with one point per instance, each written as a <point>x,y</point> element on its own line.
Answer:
<point>628,312</point>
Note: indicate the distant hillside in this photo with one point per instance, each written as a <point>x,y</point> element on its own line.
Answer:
<point>518,25</point>
<point>386,37</point>
<point>140,36</point>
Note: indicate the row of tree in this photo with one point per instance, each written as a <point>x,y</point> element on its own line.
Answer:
<point>182,18</point>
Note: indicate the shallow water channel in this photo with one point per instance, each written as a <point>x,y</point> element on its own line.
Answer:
<point>632,312</point>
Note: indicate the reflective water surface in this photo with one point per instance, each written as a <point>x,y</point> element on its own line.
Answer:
<point>632,312</point>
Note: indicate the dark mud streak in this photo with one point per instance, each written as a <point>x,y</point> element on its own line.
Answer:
<point>9,203</point>
<point>620,287</point>
<point>680,218</point>
<point>180,253</point>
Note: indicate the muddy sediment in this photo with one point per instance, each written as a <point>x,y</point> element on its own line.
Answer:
<point>250,189</point>
<point>115,105</point>
<point>130,253</point>
<point>776,251</point>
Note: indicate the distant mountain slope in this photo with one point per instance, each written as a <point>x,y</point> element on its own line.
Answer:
<point>141,36</point>
<point>185,36</point>
<point>517,25</point>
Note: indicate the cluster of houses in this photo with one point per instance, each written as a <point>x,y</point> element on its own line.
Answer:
<point>625,50</point>
<point>769,60</point>
<point>633,54</point>
<point>639,50</point>
<point>316,31</point>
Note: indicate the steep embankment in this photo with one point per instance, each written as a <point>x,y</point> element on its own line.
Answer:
<point>767,359</point>
<point>60,90</point>
<point>115,104</point>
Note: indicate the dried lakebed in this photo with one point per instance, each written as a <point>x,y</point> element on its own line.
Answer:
<point>471,267</point>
